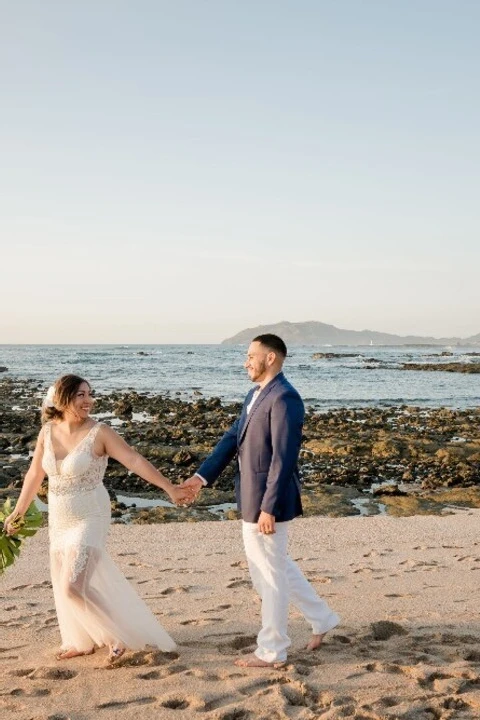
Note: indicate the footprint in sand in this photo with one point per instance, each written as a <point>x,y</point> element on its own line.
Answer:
<point>166,672</point>
<point>220,607</point>
<point>14,647</point>
<point>204,621</point>
<point>153,658</point>
<point>397,595</point>
<point>22,672</point>
<point>234,713</point>
<point>239,642</point>
<point>37,692</point>
<point>51,673</point>
<point>314,577</point>
<point>203,675</point>
<point>170,591</point>
<point>124,703</point>
<point>178,589</point>
<point>175,703</point>
<point>51,621</point>
<point>235,583</point>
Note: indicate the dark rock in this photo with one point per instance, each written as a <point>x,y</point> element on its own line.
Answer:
<point>459,367</point>
<point>123,409</point>
<point>183,458</point>
<point>332,355</point>
<point>392,490</point>
<point>437,450</point>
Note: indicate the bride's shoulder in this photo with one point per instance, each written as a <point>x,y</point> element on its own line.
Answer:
<point>102,430</point>
<point>44,430</point>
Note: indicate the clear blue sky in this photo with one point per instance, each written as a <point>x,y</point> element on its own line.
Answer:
<point>177,171</point>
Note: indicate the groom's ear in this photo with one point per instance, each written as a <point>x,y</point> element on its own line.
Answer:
<point>271,357</point>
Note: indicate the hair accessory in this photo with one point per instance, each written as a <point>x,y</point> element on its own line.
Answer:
<point>48,401</point>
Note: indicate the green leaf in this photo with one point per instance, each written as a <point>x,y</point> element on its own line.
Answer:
<point>10,545</point>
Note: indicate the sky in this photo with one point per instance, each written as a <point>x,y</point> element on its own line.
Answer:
<point>179,170</point>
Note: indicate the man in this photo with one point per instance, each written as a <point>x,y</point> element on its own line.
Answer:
<point>266,437</point>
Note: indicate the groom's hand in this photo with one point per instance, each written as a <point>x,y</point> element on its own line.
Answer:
<point>266,524</point>
<point>195,484</point>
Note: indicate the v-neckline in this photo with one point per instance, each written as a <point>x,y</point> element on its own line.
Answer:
<point>60,462</point>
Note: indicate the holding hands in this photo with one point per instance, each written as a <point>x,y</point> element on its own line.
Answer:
<point>181,494</point>
<point>194,484</point>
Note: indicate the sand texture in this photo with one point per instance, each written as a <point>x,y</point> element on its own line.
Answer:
<point>408,591</point>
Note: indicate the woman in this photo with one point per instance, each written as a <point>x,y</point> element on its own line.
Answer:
<point>95,603</point>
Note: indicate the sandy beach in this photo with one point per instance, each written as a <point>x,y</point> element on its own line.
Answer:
<point>408,645</point>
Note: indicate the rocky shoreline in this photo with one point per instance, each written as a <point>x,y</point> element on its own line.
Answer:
<point>400,460</point>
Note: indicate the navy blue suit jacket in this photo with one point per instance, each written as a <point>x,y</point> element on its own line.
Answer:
<point>267,443</point>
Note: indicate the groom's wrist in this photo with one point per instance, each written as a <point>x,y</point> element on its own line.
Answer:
<point>204,482</point>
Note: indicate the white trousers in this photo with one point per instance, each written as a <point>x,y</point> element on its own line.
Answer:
<point>279,581</point>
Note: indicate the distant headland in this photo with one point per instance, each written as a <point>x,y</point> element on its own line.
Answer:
<point>318,333</point>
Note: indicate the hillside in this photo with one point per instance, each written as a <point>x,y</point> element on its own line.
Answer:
<point>318,333</point>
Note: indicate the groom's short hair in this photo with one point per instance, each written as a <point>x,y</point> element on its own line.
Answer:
<point>272,342</point>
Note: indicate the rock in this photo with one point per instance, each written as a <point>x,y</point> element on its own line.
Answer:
<point>344,451</point>
<point>443,367</point>
<point>385,449</point>
<point>331,355</point>
<point>124,409</point>
<point>183,458</point>
<point>3,368</point>
<point>392,490</point>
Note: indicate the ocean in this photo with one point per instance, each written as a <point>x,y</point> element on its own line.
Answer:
<point>354,377</point>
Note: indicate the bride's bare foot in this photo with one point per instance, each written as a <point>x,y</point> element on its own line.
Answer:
<point>315,642</point>
<point>254,661</point>
<point>115,653</point>
<point>71,653</point>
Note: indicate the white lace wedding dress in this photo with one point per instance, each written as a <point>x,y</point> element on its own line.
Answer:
<point>95,603</point>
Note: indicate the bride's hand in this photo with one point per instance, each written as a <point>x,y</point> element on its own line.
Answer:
<point>181,495</point>
<point>12,523</point>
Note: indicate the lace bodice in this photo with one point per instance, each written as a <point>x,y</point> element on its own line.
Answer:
<point>80,471</point>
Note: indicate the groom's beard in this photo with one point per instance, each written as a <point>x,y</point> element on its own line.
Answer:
<point>258,372</point>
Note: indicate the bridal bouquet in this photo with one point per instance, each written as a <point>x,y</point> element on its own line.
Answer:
<point>25,526</point>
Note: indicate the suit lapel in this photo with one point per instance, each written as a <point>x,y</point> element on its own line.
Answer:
<point>247,418</point>
<point>243,414</point>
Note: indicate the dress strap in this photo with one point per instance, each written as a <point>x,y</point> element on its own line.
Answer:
<point>47,430</point>
<point>92,434</point>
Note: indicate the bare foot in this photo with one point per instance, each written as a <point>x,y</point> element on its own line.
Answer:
<point>71,653</point>
<point>315,642</point>
<point>115,653</point>
<point>254,661</point>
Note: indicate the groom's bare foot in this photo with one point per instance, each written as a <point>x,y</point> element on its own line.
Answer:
<point>254,661</point>
<point>315,641</point>
<point>71,653</point>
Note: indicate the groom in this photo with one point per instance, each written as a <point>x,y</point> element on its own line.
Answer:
<point>266,438</point>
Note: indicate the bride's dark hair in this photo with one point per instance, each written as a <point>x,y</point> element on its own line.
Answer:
<point>66,387</point>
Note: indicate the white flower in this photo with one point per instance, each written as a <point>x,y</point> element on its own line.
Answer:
<point>48,401</point>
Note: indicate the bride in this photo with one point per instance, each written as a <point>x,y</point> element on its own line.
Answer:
<point>95,603</point>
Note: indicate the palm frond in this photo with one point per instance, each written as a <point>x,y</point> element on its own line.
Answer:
<point>10,545</point>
